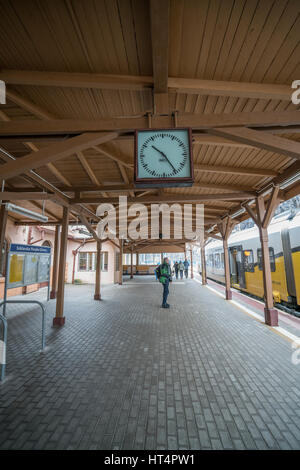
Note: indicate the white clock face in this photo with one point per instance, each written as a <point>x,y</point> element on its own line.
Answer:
<point>163,154</point>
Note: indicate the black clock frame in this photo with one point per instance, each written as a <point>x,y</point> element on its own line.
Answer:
<point>163,182</point>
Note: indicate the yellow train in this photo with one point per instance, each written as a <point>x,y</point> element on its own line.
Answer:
<point>246,262</point>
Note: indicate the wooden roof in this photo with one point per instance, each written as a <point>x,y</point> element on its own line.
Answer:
<point>96,67</point>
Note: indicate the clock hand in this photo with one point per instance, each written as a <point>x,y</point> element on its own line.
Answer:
<point>164,155</point>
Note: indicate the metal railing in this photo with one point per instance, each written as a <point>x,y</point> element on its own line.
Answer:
<point>4,321</point>
<point>3,347</point>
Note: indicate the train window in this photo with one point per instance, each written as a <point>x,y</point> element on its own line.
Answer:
<point>248,261</point>
<point>217,260</point>
<point>222,260</point>
<point>272,259</point>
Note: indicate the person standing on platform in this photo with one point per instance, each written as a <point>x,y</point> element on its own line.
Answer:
<point>164,275</point>
<point>176,269</point>
<point>186,268</point>
<point>181,269</point>
<point>155,271</point>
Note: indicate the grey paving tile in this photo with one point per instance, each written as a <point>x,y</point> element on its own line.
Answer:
<point>122,374</point>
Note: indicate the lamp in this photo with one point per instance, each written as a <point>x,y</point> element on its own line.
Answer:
<point>27,212</point>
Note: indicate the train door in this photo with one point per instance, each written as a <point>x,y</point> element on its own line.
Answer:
<point>288,264</point>
<point>237,273</point>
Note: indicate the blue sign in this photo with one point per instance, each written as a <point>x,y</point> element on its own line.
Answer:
<point>29,248</point>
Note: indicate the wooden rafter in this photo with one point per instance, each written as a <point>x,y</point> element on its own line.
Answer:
<point>169,198</point>
<point>195,121</point>
<point>54,152</point>
<point>234,170</point>
<point>159,17</point>
<point>131,82</point>
<point>262,140</point>
<point>26,196</point>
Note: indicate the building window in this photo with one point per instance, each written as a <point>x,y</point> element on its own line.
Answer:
<point>117,261</point>
<point>86,261</point>
<point>248,261</point>
<point>272,259</point>
<point>104,261</point>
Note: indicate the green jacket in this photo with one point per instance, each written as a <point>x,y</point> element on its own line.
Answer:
<point>165,272</point>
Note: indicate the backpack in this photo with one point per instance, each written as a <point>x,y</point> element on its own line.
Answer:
<point>158,273</point>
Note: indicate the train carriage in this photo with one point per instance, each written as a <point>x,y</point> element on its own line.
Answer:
<point>245,259</point>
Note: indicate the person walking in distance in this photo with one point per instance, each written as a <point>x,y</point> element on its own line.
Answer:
<point>186,268</point>
<point>164,275</point>
<point>176,269</point>
<point>181,269</point>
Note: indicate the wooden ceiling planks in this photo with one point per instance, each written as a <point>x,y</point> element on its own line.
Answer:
<point>243,40</point>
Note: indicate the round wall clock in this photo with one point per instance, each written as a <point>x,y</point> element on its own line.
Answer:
<point>163,158</point>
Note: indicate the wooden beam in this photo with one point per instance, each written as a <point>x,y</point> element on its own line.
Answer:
<point>117,158</point>
<point>59,318</point>
<point>216,141</point>
<point>53,292</point>
<point>261,140</point>
<point>85,222</point>
<point>169,198</point>
<point>28,105</point>
<point>159,18</point>
<point>34,148</point>
<point>97,295</point>
<point>76,80</point>
<point>234,170</point>
<point>198,86</point>
<point>89,171</point>
<point>87,168</point>
<point>195,121</point>
<point>3,222</point>
<point>53,152</point>
<point>120,262</point>
<point>130,82</point>
<point>24,196</point>
<point>223,187</point>
<point>272,204</point>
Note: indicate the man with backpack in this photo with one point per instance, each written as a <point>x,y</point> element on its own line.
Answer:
<point>186,268</point>
<point>164,275</point>
<point>181,268</point>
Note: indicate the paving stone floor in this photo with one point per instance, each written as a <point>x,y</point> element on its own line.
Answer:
<point>125,374</point>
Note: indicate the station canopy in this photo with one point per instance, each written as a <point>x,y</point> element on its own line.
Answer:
<point>82,76</point>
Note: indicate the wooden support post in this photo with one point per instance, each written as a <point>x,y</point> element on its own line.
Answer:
<point>59,319</point>
<point>161,258</point>
<point>203,265</point>
<point>226,227</point>
<point>192,268</point>
<point>262,219</point>
<point>227,270</point>
<point>136,263</point>
<point>3,220</point>
<point>53,291</point>
<point>97,295</point>
<point>131,260</point>
<point>121,262</point>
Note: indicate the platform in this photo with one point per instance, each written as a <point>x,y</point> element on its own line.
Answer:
<point>125,374</point>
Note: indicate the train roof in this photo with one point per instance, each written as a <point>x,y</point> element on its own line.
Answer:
<point>285,219</point>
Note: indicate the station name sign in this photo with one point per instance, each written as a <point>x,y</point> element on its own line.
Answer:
<point>29,248</point>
